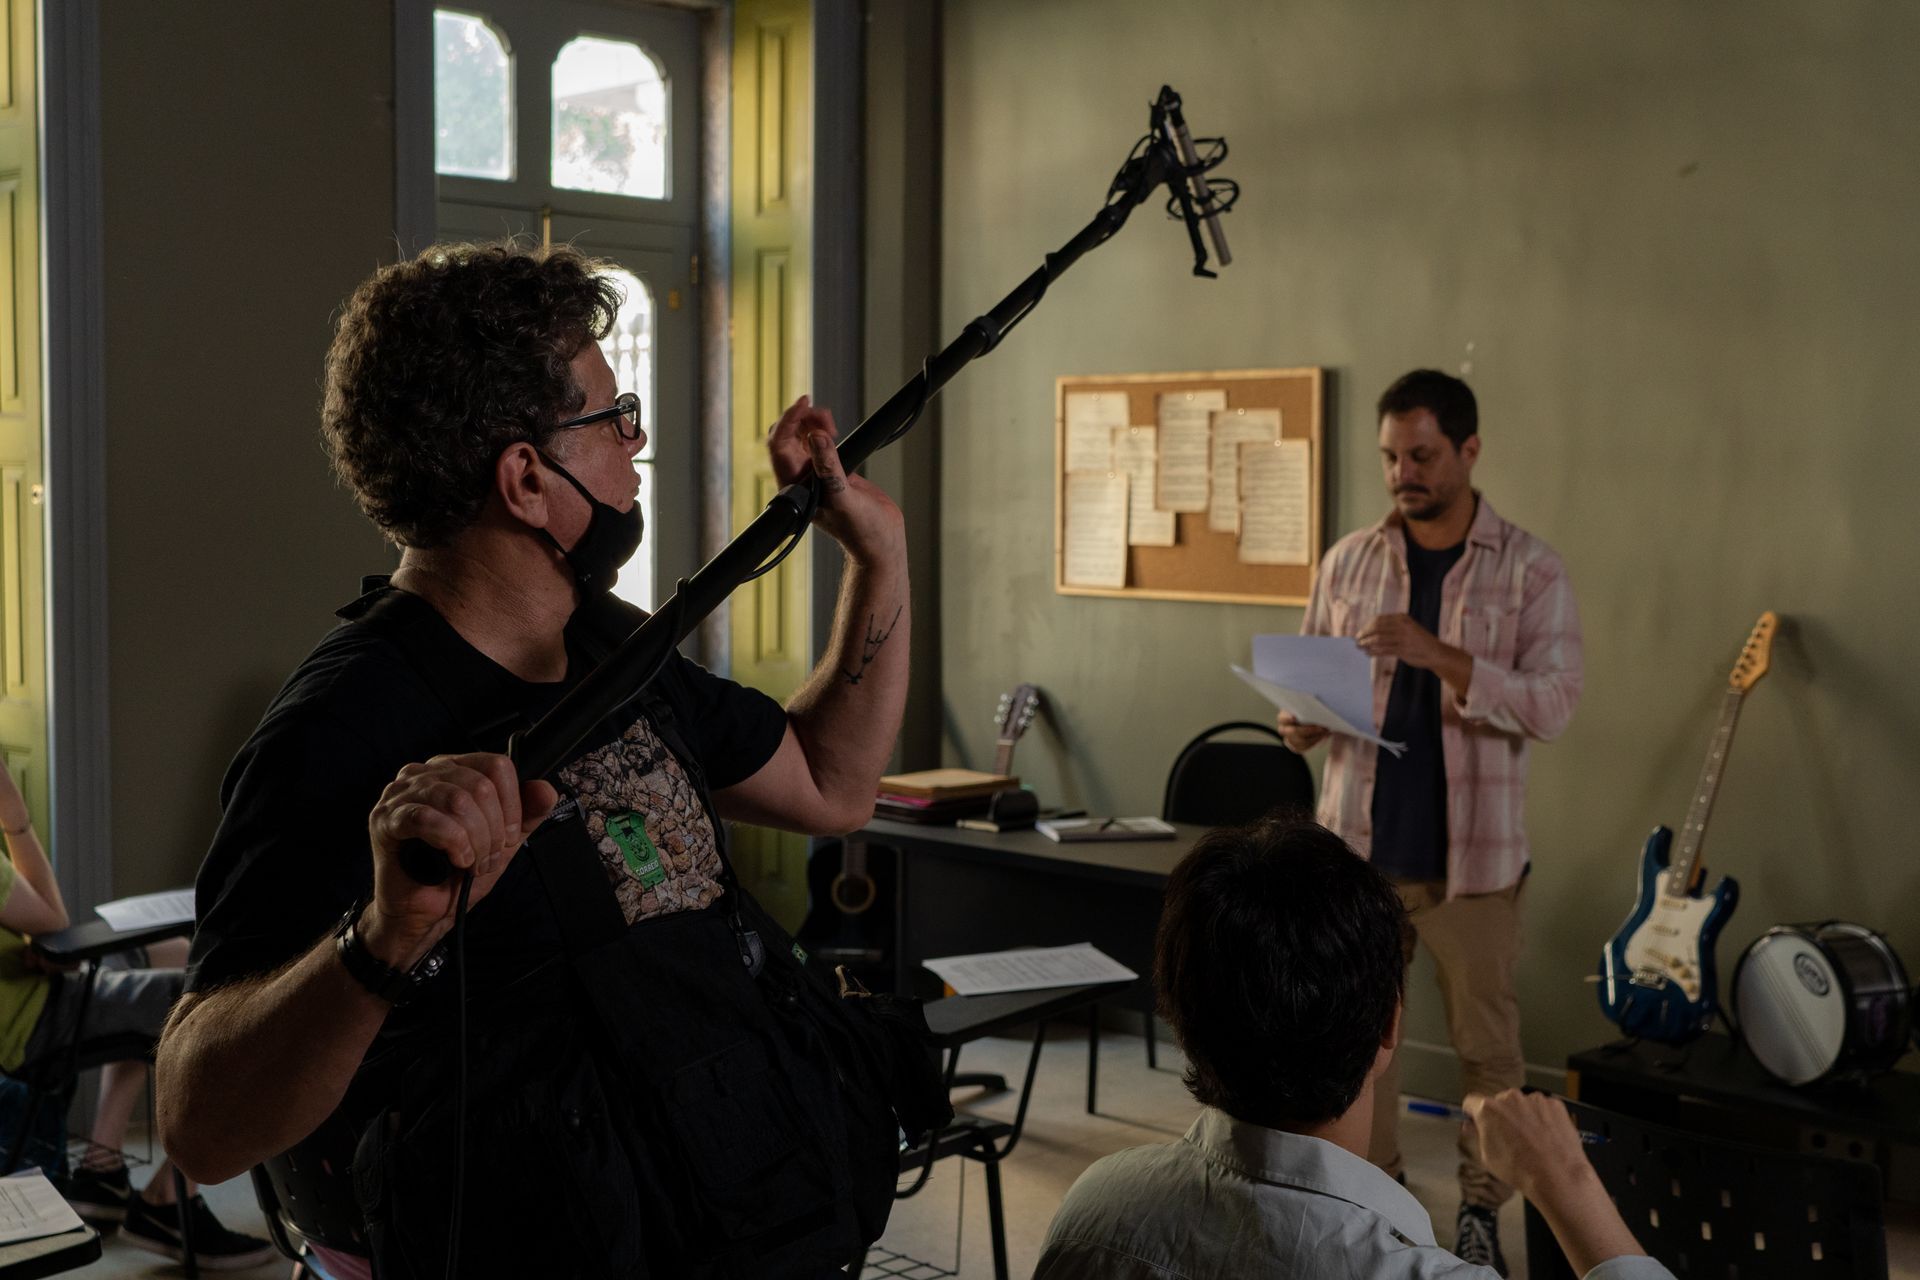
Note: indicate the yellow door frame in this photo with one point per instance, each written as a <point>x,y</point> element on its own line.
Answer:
<point>771,306</point>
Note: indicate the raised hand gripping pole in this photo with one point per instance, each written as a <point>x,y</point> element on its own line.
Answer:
<point>1166,155</point>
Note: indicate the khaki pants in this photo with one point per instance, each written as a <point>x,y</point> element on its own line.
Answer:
<point>1475,943</point>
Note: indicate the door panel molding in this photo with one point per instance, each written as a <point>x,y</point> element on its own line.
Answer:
<point>76,768</point>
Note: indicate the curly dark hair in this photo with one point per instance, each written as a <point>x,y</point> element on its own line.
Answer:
<point>1280,961</point>
<point>439,363</point>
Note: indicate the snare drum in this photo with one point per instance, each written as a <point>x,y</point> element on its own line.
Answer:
<point>1821,1000</point>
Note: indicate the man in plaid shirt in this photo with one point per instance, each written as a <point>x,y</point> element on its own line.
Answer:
<point>1475,640</point>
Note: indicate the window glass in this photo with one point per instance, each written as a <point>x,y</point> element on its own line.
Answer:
<point>630,351</point>
<point>609,119</point>
<point>472,98</point>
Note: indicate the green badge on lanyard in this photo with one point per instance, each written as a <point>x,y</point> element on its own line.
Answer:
<point>629,831</point>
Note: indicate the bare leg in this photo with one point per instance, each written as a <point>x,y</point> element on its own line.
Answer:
<point>159,1188</point>
<point>120,1084</point>
<point>170,954</point>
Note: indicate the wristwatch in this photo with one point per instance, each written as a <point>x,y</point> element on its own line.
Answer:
<point>395,986</point>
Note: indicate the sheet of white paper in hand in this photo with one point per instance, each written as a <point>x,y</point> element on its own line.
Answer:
<point>1091,418</point>
<point>1333,670</point>
<point>1308,709</point>
<point>1033,969</point>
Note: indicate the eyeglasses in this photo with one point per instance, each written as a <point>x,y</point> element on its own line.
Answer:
<point>625,408</point>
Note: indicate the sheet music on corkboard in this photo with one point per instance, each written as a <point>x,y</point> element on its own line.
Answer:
<point>1189,486</point>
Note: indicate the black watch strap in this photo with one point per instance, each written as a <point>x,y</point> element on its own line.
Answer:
<point>395,986</point>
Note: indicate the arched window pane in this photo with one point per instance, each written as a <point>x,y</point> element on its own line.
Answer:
<point>609,119</point>
<point>472,98</point>
<point>629,350</point>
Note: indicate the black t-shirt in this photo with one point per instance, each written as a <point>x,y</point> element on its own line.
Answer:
<point>1410,793</point>
<point>292,852</point>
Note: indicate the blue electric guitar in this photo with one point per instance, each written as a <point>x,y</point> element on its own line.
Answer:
<point>1657,975</point>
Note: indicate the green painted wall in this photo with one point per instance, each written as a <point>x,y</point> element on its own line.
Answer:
<point>247,170</point>
<point>1677,245</point>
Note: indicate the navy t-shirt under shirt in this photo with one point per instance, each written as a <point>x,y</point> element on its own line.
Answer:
<point>1410,793</point>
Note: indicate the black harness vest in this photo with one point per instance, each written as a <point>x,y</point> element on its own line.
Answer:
<point>680,1097</point>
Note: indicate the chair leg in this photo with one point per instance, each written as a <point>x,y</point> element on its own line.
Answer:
<point>17,1149</point>
<point>996,1219</point>
<point>1153,1058</point>
<point>1093,1058</point>
<point>990,1081</point>
<point>188,1263</point>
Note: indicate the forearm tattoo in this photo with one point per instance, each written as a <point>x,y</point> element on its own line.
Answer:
<point>870,648</point>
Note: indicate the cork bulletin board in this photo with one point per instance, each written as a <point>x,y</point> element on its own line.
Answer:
<point>1203,562</point>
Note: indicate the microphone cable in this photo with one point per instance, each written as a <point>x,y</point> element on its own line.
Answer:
<point>460,1075</point>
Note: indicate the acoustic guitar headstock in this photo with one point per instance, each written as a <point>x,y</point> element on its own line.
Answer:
<point>1018,707</point>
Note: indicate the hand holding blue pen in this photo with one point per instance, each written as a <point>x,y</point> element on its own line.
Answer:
<point>1446,1111</point>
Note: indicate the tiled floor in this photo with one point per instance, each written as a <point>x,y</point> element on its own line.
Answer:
<point>946,1223</point>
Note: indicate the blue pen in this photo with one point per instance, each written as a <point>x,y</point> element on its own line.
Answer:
<point>1428,1107</point>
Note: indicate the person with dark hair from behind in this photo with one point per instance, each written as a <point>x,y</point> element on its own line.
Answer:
<point>1279,967</point>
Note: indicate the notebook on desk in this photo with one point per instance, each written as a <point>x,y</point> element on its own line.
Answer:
<point>945,784</point>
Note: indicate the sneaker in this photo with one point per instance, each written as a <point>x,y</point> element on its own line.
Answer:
<point>99,1196</point>
<point>156,1228</point>
<point>1479,1238</point>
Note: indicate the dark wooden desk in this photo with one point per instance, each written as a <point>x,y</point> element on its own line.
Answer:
<point>1715,1086</point>
<point>960,892</point>
<point>49,1255</point>
<point>96,939</point>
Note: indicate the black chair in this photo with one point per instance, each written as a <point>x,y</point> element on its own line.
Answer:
<point>1708,1207</point>
<point>306,1194</point>
<point>954,1022</point>
<point>53,1078</point>
<point>1219,784</point>
<point>1223,784</point>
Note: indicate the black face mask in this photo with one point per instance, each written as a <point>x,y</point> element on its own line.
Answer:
<point>611,538</point>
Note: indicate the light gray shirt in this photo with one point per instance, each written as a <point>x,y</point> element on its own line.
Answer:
<point>1235,1201</point>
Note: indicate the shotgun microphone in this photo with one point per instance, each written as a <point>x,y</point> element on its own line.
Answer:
<point>1193,191</point>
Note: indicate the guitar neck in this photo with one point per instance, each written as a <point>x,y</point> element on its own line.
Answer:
<point>1695,830</point>
<point>1003,756</point>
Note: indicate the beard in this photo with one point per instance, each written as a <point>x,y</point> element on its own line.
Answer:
<point>1421,506</point>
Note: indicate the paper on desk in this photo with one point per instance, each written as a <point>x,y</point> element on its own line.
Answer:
<point>1314,679</point>
<point>1032,969</point>
<point>30,1208</point>
<point>148,911</point>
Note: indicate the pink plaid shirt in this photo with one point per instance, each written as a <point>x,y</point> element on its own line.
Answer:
<point>1509,604</point>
